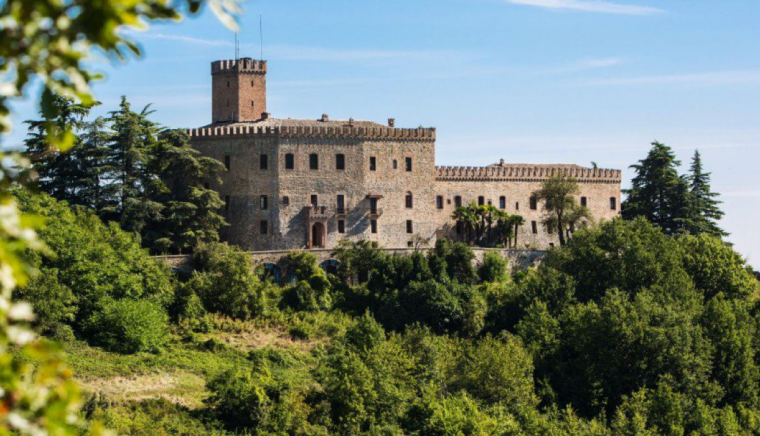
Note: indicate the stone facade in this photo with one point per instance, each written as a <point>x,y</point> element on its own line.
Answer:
<point>294,184</point>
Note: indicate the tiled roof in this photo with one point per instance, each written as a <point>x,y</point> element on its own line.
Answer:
<point>290,122</point>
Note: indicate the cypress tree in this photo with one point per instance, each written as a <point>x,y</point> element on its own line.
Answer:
<point>703,204</point>
<point>658,193</point>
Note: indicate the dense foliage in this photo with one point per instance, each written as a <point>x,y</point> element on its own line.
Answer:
<point>128,170</point>
<point>675,203</point>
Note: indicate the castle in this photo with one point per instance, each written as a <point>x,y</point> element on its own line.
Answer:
<point>294,184</point>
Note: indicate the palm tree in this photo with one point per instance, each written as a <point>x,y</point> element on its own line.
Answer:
<point>466,216</point>
<point>504,227</point>
<point>517,221</point>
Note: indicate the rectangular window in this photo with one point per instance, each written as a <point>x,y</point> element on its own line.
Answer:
<point>314,200</point>
<point>409,164</point>
<point>517,205</point>
<point>264,202</point>
<point>341,203</point>
<point>263,162</point>
<point>460,227</point>
<point>533,203</point>
<point>313,161</point>
<point>227,163</point>
<point>458,201</point>
<point>409,200</point>
<point>584,201</point>
<point>340,161</point>
<point>395,164</point>
<point>613,203</point>
<point>264,227</point>
<point>372,163</point>
<point>534,227</point>
<point>409,226</point>
<point>289,161</point>
<point>481,201</point>
<point>286,201</point>
<point>502,202</point>
<point>341,226</point>
<point>439,202</point>
<point>410,244</point>
<point>373,226</point>
<point>373,205</point>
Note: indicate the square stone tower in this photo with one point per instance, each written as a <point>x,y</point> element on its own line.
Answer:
<point>238,90</point>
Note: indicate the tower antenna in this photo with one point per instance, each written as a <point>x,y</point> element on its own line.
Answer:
<point>237,47</point>
<point>261,39</point>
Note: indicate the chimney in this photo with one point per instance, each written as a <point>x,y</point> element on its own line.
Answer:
<point>351,122</point>
<point>391,122</point>
<point>325,118</point>
<point>265,115</point>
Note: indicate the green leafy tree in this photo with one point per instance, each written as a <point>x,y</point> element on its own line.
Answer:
<point>130,326</point>
<point>658,193</point>
<point>561,210</point>
<point>704,206</point>
<point>225,282</point>
<point>49,42</point>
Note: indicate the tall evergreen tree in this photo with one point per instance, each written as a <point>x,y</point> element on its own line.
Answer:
<point>131,181</point>
<point>57,170</point>
<point>704,206</point>
<point>94,167</point>
<point>658,193</point>
<point>190,214</point>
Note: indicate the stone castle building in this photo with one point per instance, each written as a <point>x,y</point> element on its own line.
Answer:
<point>295,184</point>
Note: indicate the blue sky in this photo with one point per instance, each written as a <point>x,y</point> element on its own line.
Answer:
<point>525,80</point>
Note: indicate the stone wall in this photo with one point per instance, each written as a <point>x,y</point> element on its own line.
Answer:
<point>517,187</point>
<point>518,259</point>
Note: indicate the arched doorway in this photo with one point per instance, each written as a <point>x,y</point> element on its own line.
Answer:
<point>318,235</point>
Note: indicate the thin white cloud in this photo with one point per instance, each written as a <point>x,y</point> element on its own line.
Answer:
<point>179,38</point>
<point>709,78</point>
<point>588,64</point>
<point>598,6</point>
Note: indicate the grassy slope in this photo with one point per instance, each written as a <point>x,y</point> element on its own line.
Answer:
<point>162,394</point>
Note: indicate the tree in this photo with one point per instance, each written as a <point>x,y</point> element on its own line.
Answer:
<point>49,41</point>
<point>58,173</point>
<point>133,184</point>
<point>658,193</point>
<point>468,219</point>
<point>190,208</point>
<point>703,204</point>
<point>561,209</point>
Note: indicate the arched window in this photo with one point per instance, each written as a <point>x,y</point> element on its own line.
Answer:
<point>409,200</point>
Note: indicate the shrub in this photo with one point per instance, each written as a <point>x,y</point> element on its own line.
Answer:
<point>225,282</point>
<point>130,326</point>
<point>366,334</point>
<point>239,399</point>
<point>91,263</point>
<point>494,268</point>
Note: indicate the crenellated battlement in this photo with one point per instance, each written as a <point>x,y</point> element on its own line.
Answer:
<point>374,133</point>
<point>243,65</point>
<point>526,173</point>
